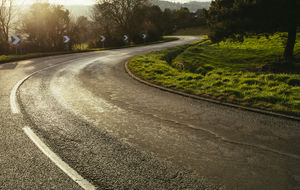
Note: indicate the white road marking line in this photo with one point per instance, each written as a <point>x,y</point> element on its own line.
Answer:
<point>13,98</point>
<point>58,161</point>
<point>15,109</point>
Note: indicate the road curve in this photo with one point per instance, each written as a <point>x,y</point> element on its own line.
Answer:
<point>120,134</point>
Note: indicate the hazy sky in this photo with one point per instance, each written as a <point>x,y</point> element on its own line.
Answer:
<point>88,2</point>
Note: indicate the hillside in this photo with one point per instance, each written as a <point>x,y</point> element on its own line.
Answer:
<point>78,10</point>
<point>192,6</point>
<point>85,10</point>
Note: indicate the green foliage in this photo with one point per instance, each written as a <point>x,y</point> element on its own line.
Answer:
<point>219,71</point>
<point>233,55</point>
<point>235,19</point>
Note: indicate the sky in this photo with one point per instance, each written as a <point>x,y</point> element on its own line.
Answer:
<point>88,2</point>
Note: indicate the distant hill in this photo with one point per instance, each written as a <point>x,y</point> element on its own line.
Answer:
<point>78,10</point>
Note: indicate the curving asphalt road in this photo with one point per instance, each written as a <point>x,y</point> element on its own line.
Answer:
<point>120,134</point>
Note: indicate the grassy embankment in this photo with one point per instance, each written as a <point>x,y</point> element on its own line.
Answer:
<point>76,49</point>
<point>223,71</point>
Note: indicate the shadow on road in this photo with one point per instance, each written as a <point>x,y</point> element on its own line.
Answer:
<point>8,66</point>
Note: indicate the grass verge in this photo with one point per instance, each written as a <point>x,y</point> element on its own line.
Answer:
<point>78,49</point>
<point>223,71</point>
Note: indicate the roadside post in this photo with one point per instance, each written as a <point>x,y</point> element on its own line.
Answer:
<point>16,40</point>
<point>102,39</point>
<point>67,40</point>
<point>144,36</point>
<point>126,38</point>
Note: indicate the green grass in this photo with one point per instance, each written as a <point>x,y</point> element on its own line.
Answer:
<point>76,49</point>
<point>80,47</point>
<point>219,71</point>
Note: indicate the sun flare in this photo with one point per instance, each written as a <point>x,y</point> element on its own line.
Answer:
<point>61,2</point>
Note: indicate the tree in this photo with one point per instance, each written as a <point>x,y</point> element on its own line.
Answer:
<point>152,23</point>
<point>80,31</point>
<point>168,23</point>
<point>6,17</point>
<point>121,11</point>
<point>118,15</point>
<point>238,18</point>
<point>45,25</point>
<point>183,18</point>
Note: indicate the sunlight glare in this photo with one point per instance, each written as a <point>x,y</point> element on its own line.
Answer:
<point>61,2</point>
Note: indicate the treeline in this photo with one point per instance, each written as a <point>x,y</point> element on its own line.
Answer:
<point>138,18</point>
<point>44,25</point>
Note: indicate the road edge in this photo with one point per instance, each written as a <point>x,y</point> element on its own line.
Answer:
<point>171,39</point>
<point>256,110</point>
<point>76,177</point>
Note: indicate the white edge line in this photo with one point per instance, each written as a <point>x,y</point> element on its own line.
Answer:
<point>58,161</point>
<point>15,109</point>
<point>13,95</point>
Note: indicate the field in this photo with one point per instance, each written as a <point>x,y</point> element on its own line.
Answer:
<point>228,71</point>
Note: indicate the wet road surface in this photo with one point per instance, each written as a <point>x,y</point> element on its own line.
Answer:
<point>120,134</point>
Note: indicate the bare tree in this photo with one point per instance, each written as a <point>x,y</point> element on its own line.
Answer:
<point>6,18</point>
<point>121,11</point>
<point>118,14</point>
